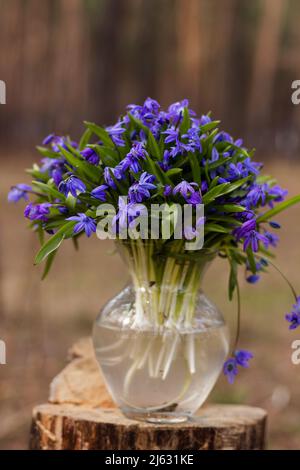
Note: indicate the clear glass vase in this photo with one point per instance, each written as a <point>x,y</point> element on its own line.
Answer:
<point>160,342</point>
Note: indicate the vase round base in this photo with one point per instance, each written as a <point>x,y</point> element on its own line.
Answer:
<point>156,417</point>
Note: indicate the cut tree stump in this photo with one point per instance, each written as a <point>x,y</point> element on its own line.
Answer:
<point>81,415</point>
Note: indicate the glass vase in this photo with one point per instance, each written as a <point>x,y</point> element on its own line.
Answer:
<point>161,342</point>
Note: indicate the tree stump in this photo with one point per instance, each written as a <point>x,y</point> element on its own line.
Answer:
<point>81,415</point>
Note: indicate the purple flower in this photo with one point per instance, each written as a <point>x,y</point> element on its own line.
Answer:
<point>245,229</point>
<point>252,239</point>
<point>253,278</point>
<point>294,316</point>
<point>18,192</point>
<point>230,369</point>
<point>54,167</point>
<point>274,224</point>
<point>257,194</point>
<point>90,155</point>
<point>115,132</point>
<point>277,193</point>
<point>72,185</point>
<point>223,137</point>
<point>236,171</point>
<point>57,141</point>
<point>172,135</point>
<point>100,192</point>
<point>242,357</point>
<point>37,211</point>
<point>252,167</point>
<point>204,120</point>
<point>141,190</point>
<point>272,239</point>
<point>194,141</point>
<point>175,111</point>
<point>84,223</point>
<point>167,190</point>
<point>187,190</point>
<point>137,153</point>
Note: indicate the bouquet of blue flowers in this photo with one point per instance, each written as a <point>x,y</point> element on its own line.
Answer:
<point>155,156</point>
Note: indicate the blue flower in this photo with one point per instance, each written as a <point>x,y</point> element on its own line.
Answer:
<point>253,238</point>
<point>115,132</point>
<point>90,156</point>
<point>245,228</point>
<point>141,190</point>
<point>167,190</point>
<point>294,316</point>
<point>72,185</point>
<point>187,190</point>
<point>172,135</point>
<point>84,223</point>
<point>272,239</point>
<point>100,192</point>
<point>54,167</point>
<point>18,192</point>
<point>257,194</point>
<point>57,141</point>
<point>274,224</point>
<point>132,159</point>
<point>230,369</point>
<point>242,357</point>
<point>204,120</point>
<point>253,278</point>
<point>237,171</point>
<point>37,211</point>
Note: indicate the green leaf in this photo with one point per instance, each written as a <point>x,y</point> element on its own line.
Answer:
<point>251,260</point>
<point>222,189</point>
<point>153,146</point>
<point>279,208</point>
<point>49,262</point>
<point>209,126</point>
<point>195,167</point>
<point>174,171</point>
<point>211,227</point>
<point>217,163</point>
<point>101,133</point>
<point>157,171</point>
<point>54,242</point>
<point>46,188</point>
<point>231,208</point>
<point>232,278</point>
<point>46,152</point>
<point>186,121</point>
<point>85,138</point>
<point>84,168</point>
<point>107,155</point>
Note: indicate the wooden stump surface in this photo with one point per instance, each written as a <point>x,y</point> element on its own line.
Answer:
<point>81,415</point>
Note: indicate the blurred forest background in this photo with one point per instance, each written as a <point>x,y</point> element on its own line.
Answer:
<point>64,61</point>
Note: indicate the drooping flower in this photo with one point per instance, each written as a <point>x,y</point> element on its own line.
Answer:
<point>253,278</point>
<point>294,316</point>
<point>115,132</point>
<point>242,357</point>
<point>230,369</point>
<point>236,171</point>
<point>37,211</point>
<point>253,238</point>
<point>244,229</point>
<point>90,156</point>
<point>141,190</point>
<point>83,223</point>
<point>57,141</point>
<point>100,192</point>
<point>20,191</point>
<point>257,195</point>
<point>72,185</point>
<point>272,239</point>
<point>55,167</point>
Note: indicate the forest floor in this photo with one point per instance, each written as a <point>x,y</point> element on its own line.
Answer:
<point>40,320</point>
